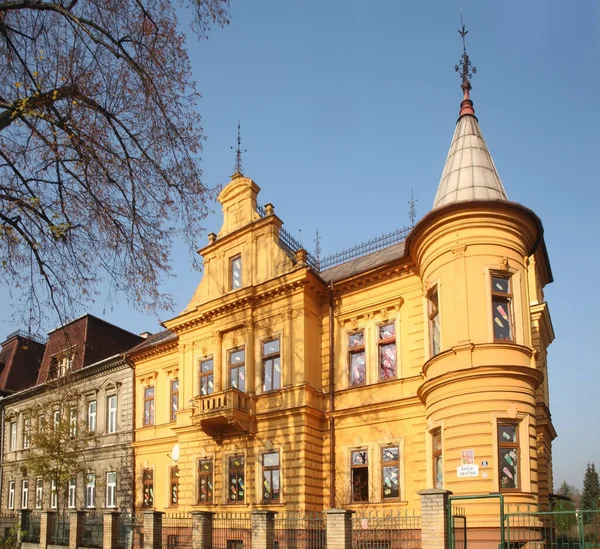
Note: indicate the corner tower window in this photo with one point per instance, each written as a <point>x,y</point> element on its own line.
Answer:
<point>438,460</point>
<point>235,273</point>
<point>433,310</point>
<point>502,308</point>
<point>508,455</point>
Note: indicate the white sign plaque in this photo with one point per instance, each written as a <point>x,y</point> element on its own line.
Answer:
<point>467,471</point>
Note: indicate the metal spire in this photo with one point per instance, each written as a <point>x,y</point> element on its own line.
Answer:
<point>464,67</point>
<point>238,154</point>
<point>412,210</point>
<point>318,250</point>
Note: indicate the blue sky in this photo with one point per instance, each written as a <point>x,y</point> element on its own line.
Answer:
<point>347,105</point>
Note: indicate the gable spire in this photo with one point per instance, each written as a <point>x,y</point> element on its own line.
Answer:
<point>238,168</point>
<point>469,173</point>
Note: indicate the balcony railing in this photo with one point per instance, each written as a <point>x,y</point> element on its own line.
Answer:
<point>227,413</point>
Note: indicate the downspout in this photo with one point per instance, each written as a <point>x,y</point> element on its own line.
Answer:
<point>3,428</point>
<point>332,492</point>
<point>132,448</point>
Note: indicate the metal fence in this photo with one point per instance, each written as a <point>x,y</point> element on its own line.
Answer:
<point>131,531</point>
<point>8,521</point>
<point>59,529</point>
<point>93,529</point>
<point>552,527</point>
<point>177,531</point>
<point>392,529</point>
<point>458,533</point>
<point>232,531</point>
<point>298,530</point>
<point>31,527</point>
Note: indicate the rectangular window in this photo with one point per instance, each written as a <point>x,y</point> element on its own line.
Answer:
<point>41,424</point>
<point>111,407</point>
<point>149,406</point>
<point>39,493</point>
<point>237,486</point>
<point>73,422</point>
<point>359,475</point>
<point>205,481</point>
<point>387,351</point>
<point>111,489</point>
<point>174,486</point>
<point>148,488</point>
<point>438,462</point>
<point>24,493</point>
<point>207,380</point>
<point>60,364</point>
<point>235,272</point>
<point>91,416</point>
<point>237,369</point>
<point>53,495</point>
<point>13,436</point>
<point>72,496</point>
<point>271,365</point>
<point>508,455</point>
<point>90,490</point>
<point>27,433</point>
<point>55,419</point>
<point>356,346</point>
<point>433,310</point>
<point>271,477</point>
<point>502,308</point>
<point>174,400</point>
<point>11,494</point>
<point>390,472</point>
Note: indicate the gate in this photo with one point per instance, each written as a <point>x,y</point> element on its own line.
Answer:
<point>457,521</point>
<point>555,526</point>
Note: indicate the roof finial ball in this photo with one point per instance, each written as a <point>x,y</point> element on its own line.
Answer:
<point>466,70</point>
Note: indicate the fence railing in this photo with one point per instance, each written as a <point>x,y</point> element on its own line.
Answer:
<point>59,529</point>
<point>297,530</point>
<point>232,531</point>
<point>131,531</point>
<point>31,528</point>
<point>386,530</point>
<point>177,531</point>
<point>93,529</point>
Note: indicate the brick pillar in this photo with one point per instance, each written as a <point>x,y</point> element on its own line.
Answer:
<point>202,529</point>
<point>263,529</point>
<point>24,524</point>
<point>153,529</point>
<point>47,519</point>
<point>76,527</point>
<point>339,529</point>
<point>434,518</point>
<point>110,530</point>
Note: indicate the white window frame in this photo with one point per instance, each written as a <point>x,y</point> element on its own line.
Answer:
<point>13,436</point>
<point>111,489</point>
<point>53,495</point>
<point>111,423</point>
<point>90,491</point>
<point>55,419</point>
<point>11,494</point>
<point>73,422</point>
<point>92,412</point>
<point>24,493</point>
<point>39,493</point>
<point>27,433</point>
<point>72,501</point>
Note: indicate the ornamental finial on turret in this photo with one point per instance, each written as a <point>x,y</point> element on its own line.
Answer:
<point>238,168</point>
<point>466,70</point>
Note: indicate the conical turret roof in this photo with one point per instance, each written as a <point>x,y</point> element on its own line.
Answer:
<point>469,173</point>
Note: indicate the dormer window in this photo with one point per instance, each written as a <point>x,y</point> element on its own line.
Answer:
<point>61,363</point>
<point>235,273</point>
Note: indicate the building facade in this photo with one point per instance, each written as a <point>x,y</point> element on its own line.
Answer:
<point>420,365</point>
<point>82,408</point>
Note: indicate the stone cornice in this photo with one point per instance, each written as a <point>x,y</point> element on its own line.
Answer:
<point>540,315</point>
<point>159,349</point>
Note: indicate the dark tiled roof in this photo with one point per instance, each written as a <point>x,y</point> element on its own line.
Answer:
<point>153,341</point>
<point>364,263</point>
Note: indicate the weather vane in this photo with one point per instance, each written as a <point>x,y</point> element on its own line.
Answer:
<point>464,67</point>
<point>412,210</point>
<point>238,153</point>
<point>318,250</point>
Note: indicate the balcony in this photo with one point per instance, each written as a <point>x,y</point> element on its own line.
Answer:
<point>225,414</point>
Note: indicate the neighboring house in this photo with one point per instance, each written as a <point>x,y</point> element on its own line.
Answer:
<point>285,384</point>
<point>85,381</point>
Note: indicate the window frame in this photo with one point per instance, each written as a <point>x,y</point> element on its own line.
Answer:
<point>24,493</point>
<point>92,416</point>
<point>55,419</point>
<point>111,413</point>
<point>173,399</point>
<point>148,488</point>
<point>53,495</point>
<point>13,436</point>
<point>239,472</point>
<point>237,366</point>
<point>11,494</point>
<point>232,270</point>
<point>90,490</point>
<point>73,415</point>
<point>271,360</point>
<point>508,299</point>
<point>503,445</point>
<point>72,493</point>
<point>384,464</point>
<point>111,490</point>
<point>356,350</point>
<point>357,495</point>
<point>385,342</point>
<point>208,375</point>
<point>148,415</point>
<point>39,493</point>
<point>27,433</point>
<point>436,434</point>
<point>434,320</point>
<point>269,471</point>
<point>174,486</point>
<point>209,476</point>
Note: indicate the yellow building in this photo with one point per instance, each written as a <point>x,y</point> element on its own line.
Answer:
<point>420,365</point>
